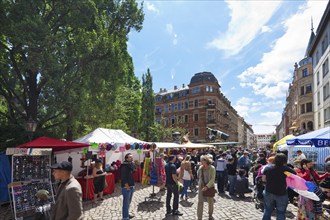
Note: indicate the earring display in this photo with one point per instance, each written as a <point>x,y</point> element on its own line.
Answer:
<point>30,174</point>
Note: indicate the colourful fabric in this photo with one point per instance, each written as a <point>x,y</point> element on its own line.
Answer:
<point>146,171</point>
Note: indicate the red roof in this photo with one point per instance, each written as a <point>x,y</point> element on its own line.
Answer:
<point>55,144</point>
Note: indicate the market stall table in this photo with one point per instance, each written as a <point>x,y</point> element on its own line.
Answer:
<point>90,193</point>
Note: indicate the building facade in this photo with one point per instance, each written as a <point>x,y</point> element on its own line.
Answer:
<point>197,107</point>
<point>263,140</point>
<point>319,51</point>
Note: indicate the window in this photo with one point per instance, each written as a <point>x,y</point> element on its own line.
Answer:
<point>166,108</point>
<point>302,90</point>
<point>186,104</point>
<point>196,103</point>
<point>166,121</point>
<point>196,131</point>
<point>319,118</point>
<point>195,117</point>
<point>196,90</point>
<point>327,115</point>
<point>186,118</point>
<point>325,67</point>
<point>159,109</point>
<point>179,119</point>
<point>179,105</point>
<point>173,120</point>
<point>302,109</point>
<point>173,107</point>
<point>318,77</point>
<point>324,44</point>
<point>318,98</point>
<point>326,91</point>
<point>317,57</point>
<point>308,88</point>
<point>309,107</point>
<point>304,72</point>
<point>209,89</point>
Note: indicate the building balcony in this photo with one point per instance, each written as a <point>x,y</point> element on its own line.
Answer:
<point>210,121</point>
<point>210,105</point>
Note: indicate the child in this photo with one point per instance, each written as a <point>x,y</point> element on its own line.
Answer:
<point>242,184</point>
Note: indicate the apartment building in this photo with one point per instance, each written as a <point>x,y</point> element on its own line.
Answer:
<point>263,140</point>
<point>196,107</point>
<point>319,51</point>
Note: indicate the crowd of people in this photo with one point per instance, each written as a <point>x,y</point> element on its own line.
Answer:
<point>227,170</point>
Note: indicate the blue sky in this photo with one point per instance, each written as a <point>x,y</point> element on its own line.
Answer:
<point>250,47</point>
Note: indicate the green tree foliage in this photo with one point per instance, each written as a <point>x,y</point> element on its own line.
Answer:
<point>148,107</point>
<point>63,63</point>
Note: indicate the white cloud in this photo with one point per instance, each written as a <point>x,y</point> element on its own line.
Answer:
<point>247,20</point>
<point>170,30</point>
<point>151,7</point>
<point>270,77</point>
<point>265,29</point>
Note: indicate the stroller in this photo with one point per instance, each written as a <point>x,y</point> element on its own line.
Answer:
<point>258,197</point>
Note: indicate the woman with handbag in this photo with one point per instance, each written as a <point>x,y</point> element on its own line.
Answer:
<point>185,175</point>
<point>206,190</point>
<point>307,208</point>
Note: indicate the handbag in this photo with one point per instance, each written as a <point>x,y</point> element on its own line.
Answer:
<point>209,192</point>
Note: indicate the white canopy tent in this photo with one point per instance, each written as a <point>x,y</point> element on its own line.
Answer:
<point>101,136</point>
<point>199,145</point>
<point>167,145</point>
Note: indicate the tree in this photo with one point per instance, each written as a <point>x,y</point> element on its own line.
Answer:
<point>62,62</point>
<point>147,107</point>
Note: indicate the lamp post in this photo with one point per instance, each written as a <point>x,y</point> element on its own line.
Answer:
<point>176,135</point>
<point>31,126</point>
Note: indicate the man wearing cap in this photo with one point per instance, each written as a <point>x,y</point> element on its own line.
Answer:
<point>68,202</point>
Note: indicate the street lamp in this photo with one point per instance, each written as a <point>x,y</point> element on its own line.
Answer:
<point>31,126</point>
<point>176,135</point>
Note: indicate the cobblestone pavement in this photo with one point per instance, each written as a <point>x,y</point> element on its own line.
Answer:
<point>224,207</point>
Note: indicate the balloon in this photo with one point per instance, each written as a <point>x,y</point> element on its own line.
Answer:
<point>94,146</point>
<point>139,151</point>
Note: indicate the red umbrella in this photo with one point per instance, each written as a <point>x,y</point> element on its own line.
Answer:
<point>55,144</point>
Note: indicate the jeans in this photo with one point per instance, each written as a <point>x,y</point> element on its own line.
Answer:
<point>221,177</point>
<point>232,182</point>
<point>269,203</point>
<point>172,189</point>
<point>127,198</point>
<point>186,184</point>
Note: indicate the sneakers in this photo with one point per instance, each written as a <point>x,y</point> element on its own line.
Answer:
<point>131,216</point>
<point>177,213</point>
<point>168,212</point>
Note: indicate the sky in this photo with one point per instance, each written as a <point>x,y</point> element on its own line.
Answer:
<point>250,47</point>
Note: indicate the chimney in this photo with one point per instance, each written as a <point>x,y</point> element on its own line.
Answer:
<point>175,87</point>
<point>182,85</point>
<point>160,90</point>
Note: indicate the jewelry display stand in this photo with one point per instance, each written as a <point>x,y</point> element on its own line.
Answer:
<point>30,173</point>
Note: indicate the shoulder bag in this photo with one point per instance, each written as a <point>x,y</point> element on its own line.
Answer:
<point>209,192</point>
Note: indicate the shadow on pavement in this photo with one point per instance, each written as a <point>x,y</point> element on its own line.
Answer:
<point>186,203</point>
<point>151,206</point>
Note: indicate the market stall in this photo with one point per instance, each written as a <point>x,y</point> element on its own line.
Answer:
<point>30,175</point>
<point>89,193</point>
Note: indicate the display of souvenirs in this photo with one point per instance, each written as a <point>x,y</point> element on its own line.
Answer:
<point>30,174</point>
<point>26,168</point>
<point>25,197</point>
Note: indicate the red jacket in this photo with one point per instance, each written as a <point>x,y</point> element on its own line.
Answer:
<point>305,174</point>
